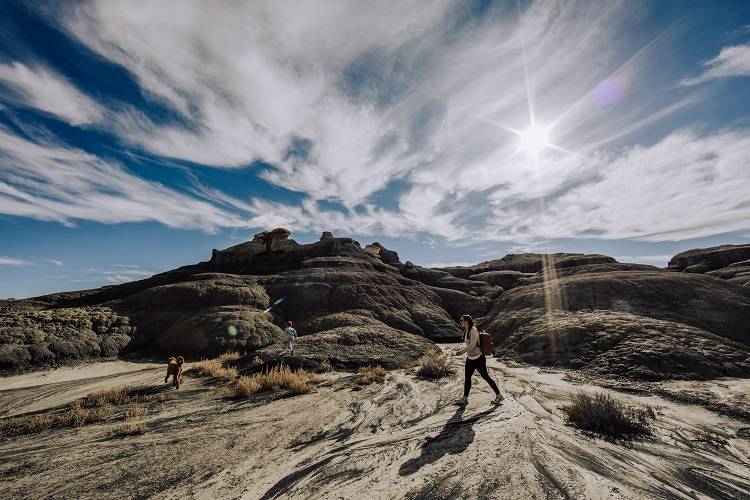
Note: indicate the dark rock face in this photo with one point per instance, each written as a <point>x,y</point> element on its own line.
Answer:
<point>598,321</point>
<point>737,272</point>
<point>618,344</point>
<point>355,307</point>
<point>240,300</point>
<point>702,260</point>
<point>355,342</point>
<point>32,337</point>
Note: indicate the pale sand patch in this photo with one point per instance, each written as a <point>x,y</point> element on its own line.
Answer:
<point>399,439</point>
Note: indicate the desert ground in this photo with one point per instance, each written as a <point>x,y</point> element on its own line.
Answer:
<point>402,438</point>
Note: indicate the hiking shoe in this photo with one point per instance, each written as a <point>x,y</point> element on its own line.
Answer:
<point>498,399</point>
<point>461,401</point>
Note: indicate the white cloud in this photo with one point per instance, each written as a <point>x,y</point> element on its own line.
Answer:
<point>401,93</point>
<point>9,261</point>
<point>654,260</point>
<point>731,61</point>
<point>685,186</point>
<point>43,89</point>
<point>54,261</point>
<point>49,181</point>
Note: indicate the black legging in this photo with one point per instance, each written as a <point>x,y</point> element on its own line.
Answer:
<point>479,364</point>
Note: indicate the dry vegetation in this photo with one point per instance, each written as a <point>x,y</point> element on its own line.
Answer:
<point>602,414</point>
<point>214,368</point>
<point>123,395</point>
<point>75,416</point>
<point>281,377</point>
<point>129,428</point>
<point>325,366</point>
<point>369,374</point>
<point>93,408</point>
<point>710,438</point>
<point>434,365</point>
<point>229,356</point>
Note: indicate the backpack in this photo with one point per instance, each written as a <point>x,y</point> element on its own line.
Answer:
<point>485,343</point>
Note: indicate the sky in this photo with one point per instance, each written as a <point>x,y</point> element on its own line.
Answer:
<point>136,136</point>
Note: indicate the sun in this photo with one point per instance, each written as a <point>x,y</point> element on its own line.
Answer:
<point>534,140</point>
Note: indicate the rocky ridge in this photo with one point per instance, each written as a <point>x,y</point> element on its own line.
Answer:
<point>357,306</point>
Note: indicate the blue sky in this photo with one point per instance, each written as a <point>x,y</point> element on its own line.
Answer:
<point>137,136</point>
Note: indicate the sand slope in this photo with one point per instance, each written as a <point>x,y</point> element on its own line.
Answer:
<point>401,439</point>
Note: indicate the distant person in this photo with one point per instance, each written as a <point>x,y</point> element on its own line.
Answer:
<point>475,360</point>
<point>291,335</point>
<point>174,368</point>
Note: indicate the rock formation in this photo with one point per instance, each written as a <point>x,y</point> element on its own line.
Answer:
<point>729,262</point>
<point>355,306</point>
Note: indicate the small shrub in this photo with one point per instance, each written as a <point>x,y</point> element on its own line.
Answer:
<point>214,368</point>
<point>325,366</point>
<point>370,374</point>
<point>434,365</point>
<point>605,415</point>
<point>257,361</point>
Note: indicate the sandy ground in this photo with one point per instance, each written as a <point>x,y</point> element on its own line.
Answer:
<point>400,439</point>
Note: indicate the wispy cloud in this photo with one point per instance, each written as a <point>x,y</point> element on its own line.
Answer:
<point>426,97</point>
<point>45,90</point>
<point>54,261</point>
<point>731,61</point>
<point>50,181</point>
<point>10,261</point>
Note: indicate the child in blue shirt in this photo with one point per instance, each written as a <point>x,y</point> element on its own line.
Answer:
<point>291,335</point>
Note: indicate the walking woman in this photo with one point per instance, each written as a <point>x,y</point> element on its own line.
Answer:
<point>475,360</point>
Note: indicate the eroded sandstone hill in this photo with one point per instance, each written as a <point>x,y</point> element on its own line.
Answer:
<point>356,306</point>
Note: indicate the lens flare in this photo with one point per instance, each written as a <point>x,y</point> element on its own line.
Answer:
<point>275,303</point>
<point>232,331</point>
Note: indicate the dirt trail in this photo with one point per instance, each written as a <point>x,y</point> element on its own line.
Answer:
<point>400,439</point>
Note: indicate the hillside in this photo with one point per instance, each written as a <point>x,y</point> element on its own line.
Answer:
<point>358,306</point>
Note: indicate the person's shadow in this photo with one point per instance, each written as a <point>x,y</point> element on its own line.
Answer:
<point>454,438</point>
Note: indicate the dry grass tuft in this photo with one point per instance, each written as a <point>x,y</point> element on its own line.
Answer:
<point>710,438</point>
<point>228,356</point>
<point>123,395</point>
<point>605,415</point>
<point>434,365</point>
<point>136,411</point>
<point>281,377</point>
<point>325,366</point>
<point>257,361</point>
<point>129,428</point>
<point>370,374</point>
<point>113,396</point>
<point>214,368</point>
<point>75,416</point>
<point>95,407</point>
<point>247,386</point>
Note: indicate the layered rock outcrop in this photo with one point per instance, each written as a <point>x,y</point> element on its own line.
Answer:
<point>355,306</point>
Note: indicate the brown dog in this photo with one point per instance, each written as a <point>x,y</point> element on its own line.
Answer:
<point>174,368</point>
